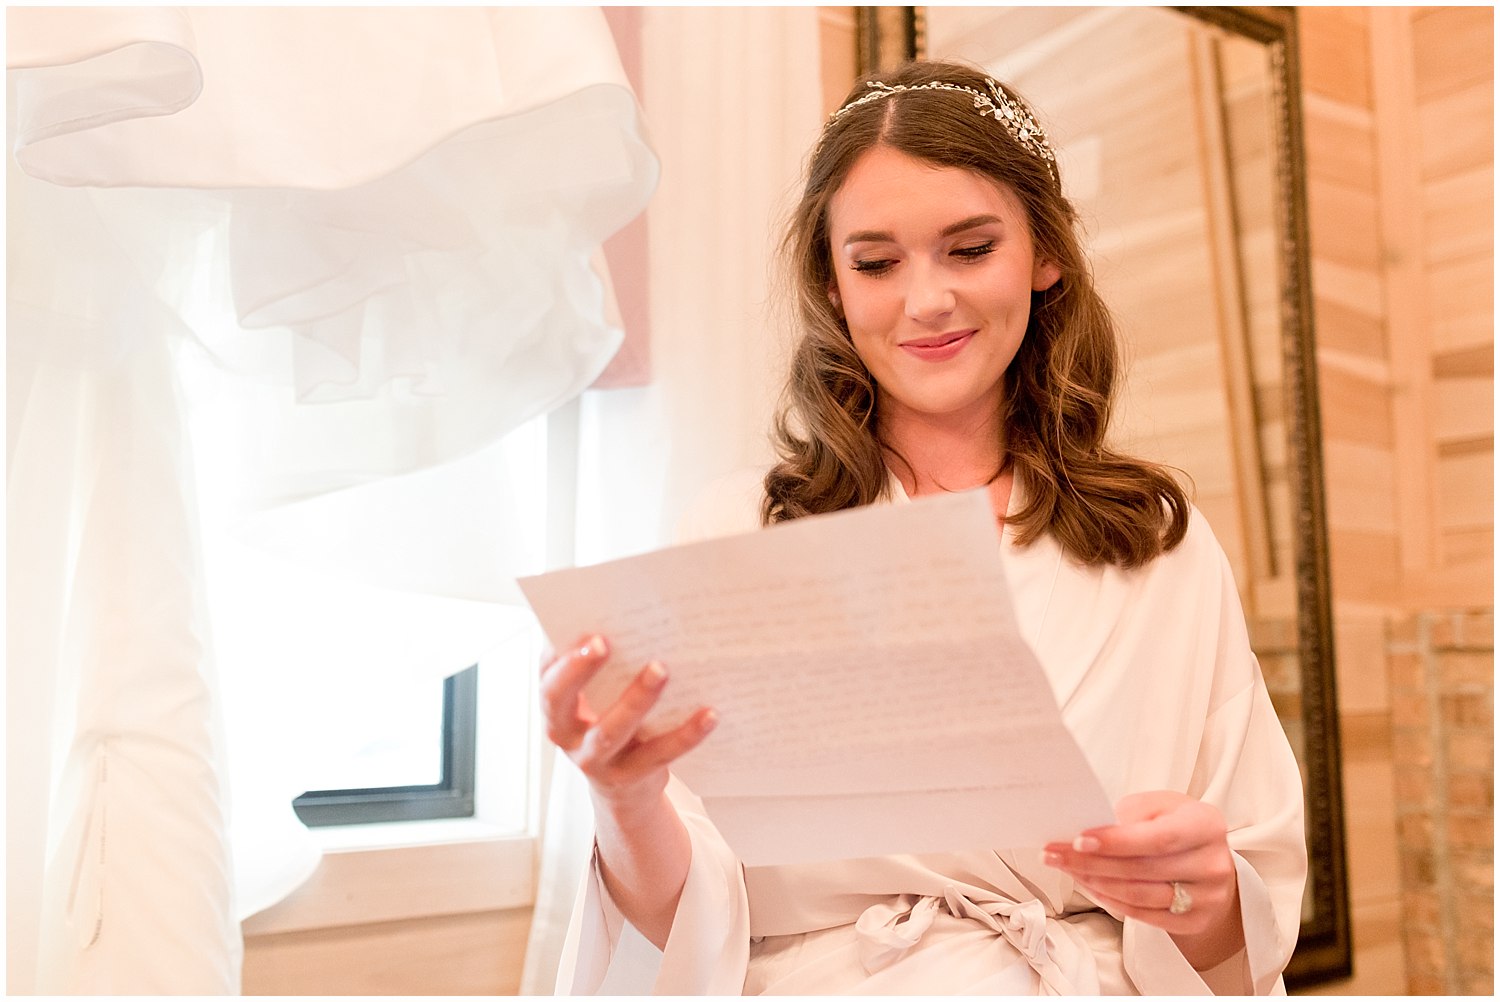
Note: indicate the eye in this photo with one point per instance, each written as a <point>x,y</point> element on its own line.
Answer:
<point>873,266</point>
<point>975,252</point>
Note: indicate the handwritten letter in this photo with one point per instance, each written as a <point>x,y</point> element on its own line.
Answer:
<point>867,669</point>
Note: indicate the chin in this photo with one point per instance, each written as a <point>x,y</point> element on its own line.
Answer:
<point>955,405</point>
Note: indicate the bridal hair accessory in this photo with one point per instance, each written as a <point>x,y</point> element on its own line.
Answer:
<point>1012,114</point>
<point>1182,901</point>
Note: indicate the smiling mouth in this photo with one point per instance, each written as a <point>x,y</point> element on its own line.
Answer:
<point>942,340</point>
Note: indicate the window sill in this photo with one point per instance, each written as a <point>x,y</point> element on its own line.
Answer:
<point>405,870</point>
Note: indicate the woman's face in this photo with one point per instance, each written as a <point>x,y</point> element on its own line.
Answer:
<point>933,272</point>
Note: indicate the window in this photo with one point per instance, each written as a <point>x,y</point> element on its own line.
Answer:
<point>332,685</point>
<point>412,748</point>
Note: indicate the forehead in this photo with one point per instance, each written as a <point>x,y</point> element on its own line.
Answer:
<point>892,191</point>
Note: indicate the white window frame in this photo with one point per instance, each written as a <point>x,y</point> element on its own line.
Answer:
<point>391,871</point>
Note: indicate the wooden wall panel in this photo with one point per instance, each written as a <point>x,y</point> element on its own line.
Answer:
<point>1457,131</point>
<point>1466,408</point>
<point>1335,55</point>
<point>1466,488</point>
<point>1365,469</point>
<point>1356,405</point>
<point>1458,217</point>
<point>1429,83</point>
<point>1343,143</point>
<point>1359,447</point>
<point>1450,50</point>
<point>837,44</point>
<point>1356,243</point>
<point>1465,547</point>
<point>1463,303</point>
<point>1369,804</point>
<point>1452,88</point>
<point>1350,330</point>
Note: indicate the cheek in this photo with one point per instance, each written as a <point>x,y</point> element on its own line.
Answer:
<point>874,352</point>
<point>869,332</point>
<point>863,347</point>
<point>869,308</point>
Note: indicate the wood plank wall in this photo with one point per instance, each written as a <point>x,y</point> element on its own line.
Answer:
<point>1433,89</point>
<point>1399,129</point>
<point>1359,451</point>
<point>1432,76</point>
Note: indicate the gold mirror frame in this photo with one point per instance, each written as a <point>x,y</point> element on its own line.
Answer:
<point>887,36</point>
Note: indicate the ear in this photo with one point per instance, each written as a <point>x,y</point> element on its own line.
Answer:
<point>833,297</point>
<point>1044,275</point>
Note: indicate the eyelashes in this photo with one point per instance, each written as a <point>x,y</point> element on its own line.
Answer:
<point>877,266</point>
<point>976,252</point>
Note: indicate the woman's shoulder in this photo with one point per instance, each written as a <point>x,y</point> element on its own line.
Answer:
<point>1199,542</point>
<point>1198,557</point>
<point>726,506</point>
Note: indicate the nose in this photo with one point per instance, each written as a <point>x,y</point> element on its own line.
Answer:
<point>929,295</point>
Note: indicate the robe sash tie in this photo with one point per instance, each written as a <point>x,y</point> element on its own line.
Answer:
<point>886,931</point>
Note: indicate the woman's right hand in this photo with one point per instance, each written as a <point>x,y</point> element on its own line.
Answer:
<point>644,850</point>
<point>623,770</point>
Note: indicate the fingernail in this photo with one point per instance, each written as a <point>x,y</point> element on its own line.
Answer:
<point>710,720</point>
<point>594,646</point>
<point>1085,843</point>
<point>654,674</point>
<point>1052,858</point>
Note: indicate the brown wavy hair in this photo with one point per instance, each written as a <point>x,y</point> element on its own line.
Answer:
<point>1101,506</point>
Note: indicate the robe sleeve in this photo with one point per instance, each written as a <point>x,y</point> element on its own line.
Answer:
<point>708,948</point>
<point>1245,768</point>
<point>1259,791</point>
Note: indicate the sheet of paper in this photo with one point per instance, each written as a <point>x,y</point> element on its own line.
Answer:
<point>865,665</point>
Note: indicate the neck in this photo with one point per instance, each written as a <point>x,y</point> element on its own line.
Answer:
<point>946,452</point>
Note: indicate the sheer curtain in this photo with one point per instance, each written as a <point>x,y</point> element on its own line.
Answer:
<point>734,99</point>
<point>336,255</point>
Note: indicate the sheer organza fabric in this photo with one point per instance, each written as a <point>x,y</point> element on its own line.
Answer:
<point>292,273</point>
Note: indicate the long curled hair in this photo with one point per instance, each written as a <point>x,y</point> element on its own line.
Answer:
<point>1101,506</point>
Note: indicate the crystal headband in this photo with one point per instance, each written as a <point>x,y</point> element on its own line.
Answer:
<point>996,104</point>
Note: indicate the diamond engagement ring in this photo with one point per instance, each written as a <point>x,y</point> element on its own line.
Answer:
<point>1182,901</point>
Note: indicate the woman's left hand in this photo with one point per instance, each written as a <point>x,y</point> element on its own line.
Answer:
<point>1167,847</point>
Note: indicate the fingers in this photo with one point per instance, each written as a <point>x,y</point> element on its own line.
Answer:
<point>618,724</point>
<point>1163,837</point>
<point>1174,824</point>
<point>563,679</point>
<point>1152,895</point>
<point>666,748</point>
<point>1207,863</point>
<point>1208,906</point>
<point>605,745</point>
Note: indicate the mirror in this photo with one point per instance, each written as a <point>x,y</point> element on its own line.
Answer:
<point>1179,137</point>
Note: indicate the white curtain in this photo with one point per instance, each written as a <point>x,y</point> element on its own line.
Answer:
<point>734,99</point>
<point>334,255</point>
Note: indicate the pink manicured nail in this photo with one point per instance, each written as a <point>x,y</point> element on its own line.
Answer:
<point>1085,843</point>
<point>595,645</point>
<point>710,720</point>
<point>654,674</point>
<point>1052,858</point>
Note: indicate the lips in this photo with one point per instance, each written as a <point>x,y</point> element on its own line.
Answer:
<point>938,348</point>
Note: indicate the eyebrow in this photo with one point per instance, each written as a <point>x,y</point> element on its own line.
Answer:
<point>881,236</point>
